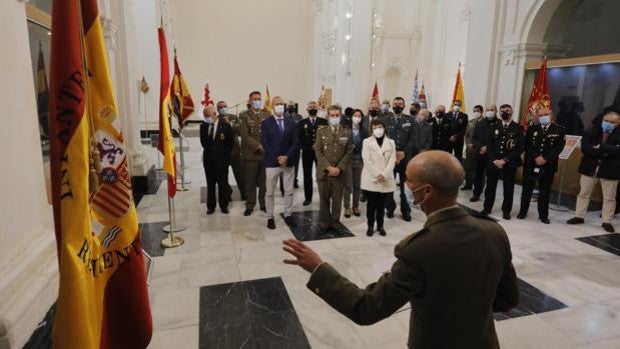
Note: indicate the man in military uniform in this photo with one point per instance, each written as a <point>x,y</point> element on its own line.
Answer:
<point>333,147</point>
<point>235,154</point>
<point>399,128</point>
<point>505,148</point>
<point>442,130</point>
<point>291,113</point>
<point>253,152</point>
<point>470,160</point>
<point>307,135</point>
<point>459,126</point>
<point>543,144</point>
<point>452,291</point>
<point>480,142</point>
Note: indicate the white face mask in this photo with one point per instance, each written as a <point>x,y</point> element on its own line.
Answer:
<point>334,121</point>
<point>489,114</point>
<point>357,120</point>
<point>223,111</point>
<point>457,108</point>
<point>378,132</point>
<point>279,109</point>
<point>257,104</point>
<point>385,107</point>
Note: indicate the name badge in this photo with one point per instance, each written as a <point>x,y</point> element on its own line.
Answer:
<point>408,124</point>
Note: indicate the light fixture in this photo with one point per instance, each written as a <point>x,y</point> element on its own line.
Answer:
<point>349,15</point>
<point>347,37</point>
<point>374,36</point>
<point>49,33</point>
<point>372,65</point>
<point>343,59</point>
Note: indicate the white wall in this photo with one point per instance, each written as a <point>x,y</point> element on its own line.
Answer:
<point>239,46</point>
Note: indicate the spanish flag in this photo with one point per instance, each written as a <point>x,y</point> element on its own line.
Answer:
<point>268,100</point>
<point>183,106</point>
<point>458,94</point>
<point>102,297</point>
<point>166,142</point>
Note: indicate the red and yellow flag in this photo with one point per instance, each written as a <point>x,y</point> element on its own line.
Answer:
<point>182,101</point>
<point>540,94</point>
<point>459,94</point>
<point>375,93</point>
<point>102,297</point>
<point>268,106</point>
<point>166,142</point>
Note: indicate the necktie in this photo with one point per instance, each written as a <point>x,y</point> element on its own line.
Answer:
<point>280,125</point>
<point>211,127</point>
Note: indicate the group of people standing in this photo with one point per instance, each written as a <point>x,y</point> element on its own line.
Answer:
<point>359,157</point>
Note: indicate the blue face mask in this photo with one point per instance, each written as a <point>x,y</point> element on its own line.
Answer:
<point>334,121</point>
<point>607,127</point>
<point>257,104</point>
<point>545,120</point>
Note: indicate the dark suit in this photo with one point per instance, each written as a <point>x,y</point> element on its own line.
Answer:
<point>296,118</point>
<point>480,138</point>
<point>307,135</point>
<point>459,126</point>
<point>399,128</point>
<point>422,136</point>
<point>548,144</point>
<point>504,143</point>
<point>277,143</point>
<point>442,131</point>
<point>453,291</point>
<point>217,145</point>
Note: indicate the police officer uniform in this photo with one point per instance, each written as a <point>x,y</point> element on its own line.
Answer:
<point>236,162</point>
<point>505,143</point>
<point>547,142</point>
<point>333,147</point>
<point>442,131</point>
<point>399,129</point>
<point>459,126</point>
<point>250,132</point>
<point>307,135</point>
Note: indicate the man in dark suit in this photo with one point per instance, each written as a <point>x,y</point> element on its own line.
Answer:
<point>505,148</point>
<point>480,144</point>
<point>543,144</point>
<point>236,162</point>
<point>459,126</point>
<point>217,139</point>
<point>307,135</point>
<point>452,291</point>
<point>422,133</point>
<point>442,130</point>
<point>280,141</point>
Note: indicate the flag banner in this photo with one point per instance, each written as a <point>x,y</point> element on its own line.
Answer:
<point>206,98</point>
<point>415,95</point>
<point>268,100</point>
<point>422,97</point>
<point>459,94</point>
<point>375,93</point>
<point>102,298</point>
<point>166,141</point>
<point>539,97</point>
<point>42,96</point>
<point>183,106</point>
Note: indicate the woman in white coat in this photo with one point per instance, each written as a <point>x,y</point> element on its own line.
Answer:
<point>379,156</point>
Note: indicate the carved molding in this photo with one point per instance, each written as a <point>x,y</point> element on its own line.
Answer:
<point>466,12</point>
<point>110,33</point>
<point>328,41</point>
<point>510,53</point>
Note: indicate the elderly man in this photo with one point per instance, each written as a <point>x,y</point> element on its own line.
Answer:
<point>422,133</point>
<point>480,143</point>
<point>442,130</point>
<point>453,292</point>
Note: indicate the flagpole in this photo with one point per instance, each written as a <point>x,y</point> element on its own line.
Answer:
<point>172,241</point>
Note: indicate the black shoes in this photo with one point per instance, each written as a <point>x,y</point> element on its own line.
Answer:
<point>347,213</point>
<point>290,221</point>
<point>296,185</point>
<point>307,202</point>
<point>608,227</point>
<point>210,210</point>
<point>370,231</point>
<point>381,231</point>
<point>406,217</point>
<point>356,212</point>
<point>262,208</point>
<point>224,210</point>
<point>390,214</point>
<point>247,212</point>
<point>545,220</point>
<point>575,220</point>
<point>474,199</point>
<point>485,212</point>
<point>522,215</point>
<point>506,216</point>
<point>271,224</point>
<point>467,187</point>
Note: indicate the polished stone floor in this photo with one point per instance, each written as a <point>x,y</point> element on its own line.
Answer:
<point>570,278</point>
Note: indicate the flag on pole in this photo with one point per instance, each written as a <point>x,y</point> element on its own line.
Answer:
<point>183,106</point>
<point>42,95</point>
<point>415,96</point>
<point>268,100</point>
<point>375,93</point>
<point>102,295</point>
<point>458,93</point>
<point>206,98</point>
<point>422,96</point>
<point>166,141</point>
<point>539,97</point>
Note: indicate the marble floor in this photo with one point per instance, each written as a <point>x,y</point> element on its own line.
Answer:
<point>227,287</point>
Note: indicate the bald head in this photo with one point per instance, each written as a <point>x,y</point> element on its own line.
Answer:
<point>209,111</point>
<point>439,169</point>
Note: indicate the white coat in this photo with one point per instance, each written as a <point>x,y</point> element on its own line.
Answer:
<point>378,160</point>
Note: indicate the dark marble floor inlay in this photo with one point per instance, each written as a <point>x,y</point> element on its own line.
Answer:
<point>607,242</point>
<point>151,235</point>
<point>306,227</point>
<point>249,314</point>
<point>531,301</point>
<point>236,195</point>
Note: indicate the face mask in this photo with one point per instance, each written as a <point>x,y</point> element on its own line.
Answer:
<point>335,121</point>
<point>607,127</point>
<point>415,191</point>
<point>373,112</point>
<point>506,115</point>
<point>257,104</point>
<point>291,110</point>
<point>357,120</point>
<point>279,109</point>
<point>413,112</point>
<point>457,108</point>
<point>223,111</point>
<point>545,120</point>
<point>422,105</point>
<point>439,114</point>
<point>489,115</point>
<point>385,107</point>
<point>476,115</point>
<point>398,110</point>
<point>312,112</point>
<point>208,120</point>
<point>378,132</point>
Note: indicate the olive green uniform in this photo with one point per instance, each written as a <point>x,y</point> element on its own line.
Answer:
<point>249,130</point>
